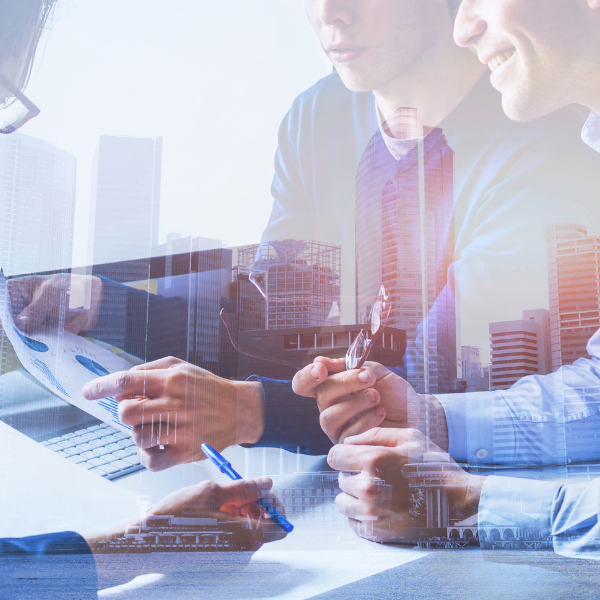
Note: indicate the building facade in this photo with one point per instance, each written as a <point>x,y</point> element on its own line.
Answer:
<point>301,279</point>
<point>405,241</point>
<point>520,348</point>
<point>125,200</point>
<point>574,279</point>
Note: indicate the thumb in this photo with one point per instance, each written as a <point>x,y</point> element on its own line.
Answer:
<point>37,311</point>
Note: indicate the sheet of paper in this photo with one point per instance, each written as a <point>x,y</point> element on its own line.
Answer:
<point>64,363</point>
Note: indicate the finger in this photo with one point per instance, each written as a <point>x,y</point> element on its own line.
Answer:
<point>368,420</point>
<point>370,490</point>
<point>384,436</point>
<point>43,303</point>
<point>159,412</point>
<point>161,363</point>
<point>151,435</point>
<point>242,492</point>
<point>338,387</point>
<point>126,384</point>
<point>155,459</point>
<point>308,379</point>
<point>354,508</point>
<point>335,419</point>
<point>372,460</point>
<point>333,365</point>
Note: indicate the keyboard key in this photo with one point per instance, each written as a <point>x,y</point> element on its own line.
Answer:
<point>122,436</point>
<point>94,428</point>
<point>45,443</point>
<point>88,465</point>
<point>97,443</point>
<point>111,458</point>
<point>120,464</point>
<point>65,444</point>
<point>84,447</point>
<point>77,459</point>
<point>97,461</point>
<point>114,447</point>
<point>91,454</point>
<point>100,471</point>
<point>69,452</point>
<point>122,453</point>
<point>54,440</point>
<point>68,436</point>
<point>112,438</point>
<point>54,448</point>
<point>132,460</point>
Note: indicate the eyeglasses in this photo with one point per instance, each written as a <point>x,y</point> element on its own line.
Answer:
<point>16,109</point>
<point>359,351</point>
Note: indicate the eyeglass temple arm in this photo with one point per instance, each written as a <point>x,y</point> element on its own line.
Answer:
<point>226,322</point>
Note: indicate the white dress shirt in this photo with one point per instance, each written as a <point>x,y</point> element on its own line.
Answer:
<point>541,420</point>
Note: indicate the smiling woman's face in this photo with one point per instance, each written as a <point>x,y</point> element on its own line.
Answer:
<point>371,42</point>
<point>536,49</point>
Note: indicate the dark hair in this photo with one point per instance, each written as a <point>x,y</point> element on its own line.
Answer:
<point>22,23</point>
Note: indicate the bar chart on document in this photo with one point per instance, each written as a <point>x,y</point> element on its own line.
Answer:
<point>64,362</point>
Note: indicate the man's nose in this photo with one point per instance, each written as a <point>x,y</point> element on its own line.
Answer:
<point>336,12</point>
<point>469,25</point>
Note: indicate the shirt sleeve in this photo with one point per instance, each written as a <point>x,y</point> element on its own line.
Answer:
<point>541,420</point>
<point>291,421</point>
<point>57,565</point>
<point>563,516</point>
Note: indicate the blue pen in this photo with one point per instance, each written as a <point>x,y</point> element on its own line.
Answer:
<point>225,467</point>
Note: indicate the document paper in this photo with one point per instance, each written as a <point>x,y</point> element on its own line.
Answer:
<point>64,363</point>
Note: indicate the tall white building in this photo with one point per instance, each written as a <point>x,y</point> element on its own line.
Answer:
<point>37,205</point>
<point>125,199</point>
<point>520,348</point>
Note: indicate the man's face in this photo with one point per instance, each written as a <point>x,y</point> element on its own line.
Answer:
<point>536,49</point>
<point>372,42</point>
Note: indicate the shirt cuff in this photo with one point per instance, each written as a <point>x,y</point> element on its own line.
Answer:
<point>291,421</point>
<point>521,507</point>
<point>480,428</point>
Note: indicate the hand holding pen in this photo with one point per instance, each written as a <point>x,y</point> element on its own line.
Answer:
<point>226,468</point>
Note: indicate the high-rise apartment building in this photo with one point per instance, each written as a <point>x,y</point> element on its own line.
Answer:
<point>125,199</point>
<point>574,279</point>
<point>520,348</point>
<point>301,279</point>
<point>405,241</point>
<point>37,209</point>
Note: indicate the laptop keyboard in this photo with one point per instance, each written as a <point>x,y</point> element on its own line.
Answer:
<point>101,449</point>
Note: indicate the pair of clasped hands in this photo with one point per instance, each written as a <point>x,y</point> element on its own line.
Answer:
<point>364,412</point>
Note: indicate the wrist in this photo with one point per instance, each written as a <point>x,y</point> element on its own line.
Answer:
<point>250,411</point>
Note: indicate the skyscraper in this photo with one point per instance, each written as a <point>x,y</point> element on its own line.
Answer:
<point>520,348</point>
<point>37,208</point>
<point>574,278</point>
<point>301,279</point>
<point>37,205</point>
<point>405,241</point>
<point>125,200</point>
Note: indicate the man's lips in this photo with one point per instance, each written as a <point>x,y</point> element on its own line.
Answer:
<point>341,54</point>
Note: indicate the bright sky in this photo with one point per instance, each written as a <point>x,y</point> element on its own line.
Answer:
<point>215,78</point>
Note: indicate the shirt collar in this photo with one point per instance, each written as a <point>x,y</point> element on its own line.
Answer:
<point>591,132</point>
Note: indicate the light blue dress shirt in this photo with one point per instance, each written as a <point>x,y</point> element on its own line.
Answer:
<point>542,420</point>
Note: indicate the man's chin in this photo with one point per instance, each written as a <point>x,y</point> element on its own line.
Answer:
<point>523,108</point>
